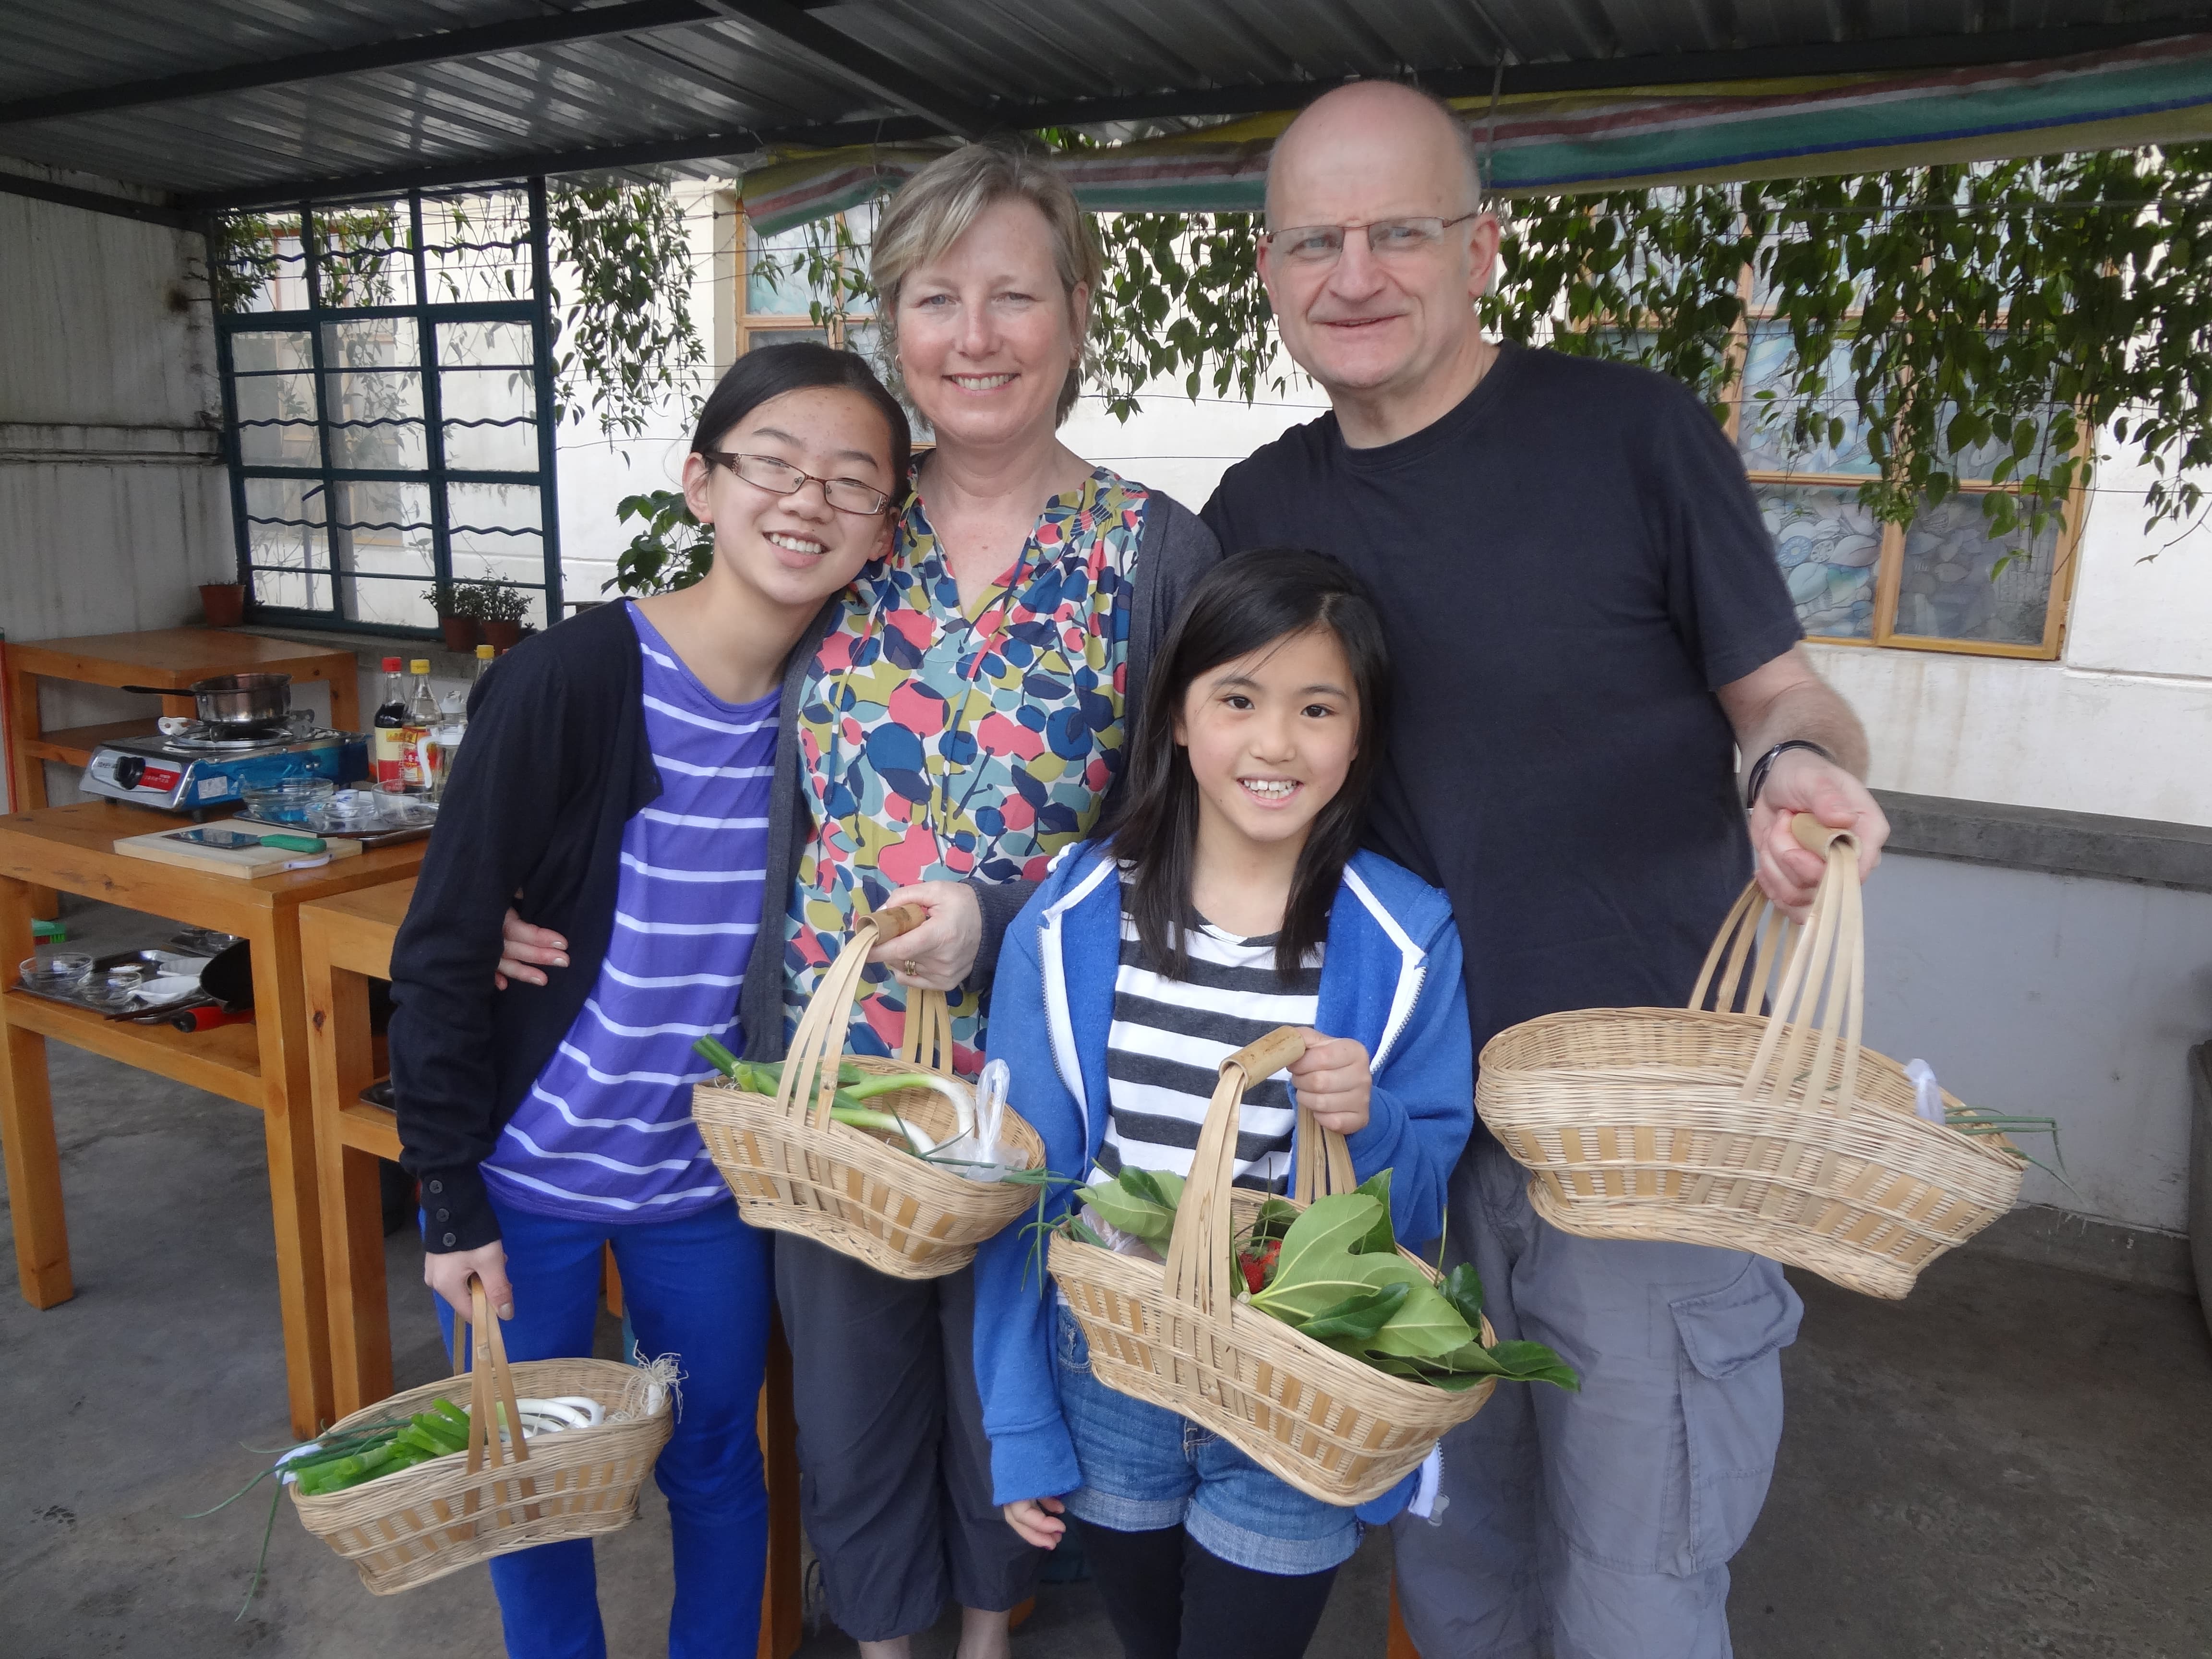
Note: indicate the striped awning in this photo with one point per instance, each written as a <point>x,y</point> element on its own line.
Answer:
<point>1537,143</point>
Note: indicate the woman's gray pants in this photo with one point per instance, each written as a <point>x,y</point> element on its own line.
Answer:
<point>895,1472</point>
<point>1599,1525</point>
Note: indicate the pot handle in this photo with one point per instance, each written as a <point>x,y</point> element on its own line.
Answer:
<point>158,690</point>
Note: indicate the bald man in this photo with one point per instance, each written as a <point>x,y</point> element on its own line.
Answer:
<point>1597,661</point>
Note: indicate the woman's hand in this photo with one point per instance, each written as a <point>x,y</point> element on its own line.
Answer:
<point>521,945</point>
<point>449,1274</point>
<point>941,952</point>
<point>1333,1082</point>
<point>1037,1520</point>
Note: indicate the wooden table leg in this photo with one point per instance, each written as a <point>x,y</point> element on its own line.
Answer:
<point>347,1188</point>
<point>1401,1644</point>
<point>27,1129</point>
<point>29,773</point>
<point>288,1118</point>
<point>781,1608</point>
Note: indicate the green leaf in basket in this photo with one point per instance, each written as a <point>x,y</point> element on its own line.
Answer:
<point>1462,1288</point>
<point>1160,1187</point>
<point>1149,1217</point>
<point>1356,1319</point>
<point>1380,1239</point>
<point>1327,1227</point>
<point>1321,1282</point>
<point>1517,1362</point>
<point>1425,1326</point>
<point>1273,1220</point>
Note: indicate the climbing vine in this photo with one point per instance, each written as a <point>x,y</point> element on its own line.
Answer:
<point>628,343</point>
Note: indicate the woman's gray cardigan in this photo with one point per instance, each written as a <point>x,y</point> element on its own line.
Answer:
<point>1173,552</point>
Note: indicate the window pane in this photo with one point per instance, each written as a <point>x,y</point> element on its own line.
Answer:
<point>276,421</point>
<point>1947,592</point>
<point>286,542</point>
<point>262,267</point>
<point>1974,463</point>
<point>364,258</point>
<point>382,527</point>
<point>376,419</point>
<point>272,350</point>
<point>756,337</point>
<point>475,246</point>
<point>775,273</point>
<point>491,419</point>
<point>484,345</point>
<point>1763,430</point>
<point>497,536</point>
<point>1828,547</point>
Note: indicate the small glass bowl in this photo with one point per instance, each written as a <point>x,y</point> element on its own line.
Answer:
<point>289,801</point>
<point>117,986</point>
<point>59,973</point>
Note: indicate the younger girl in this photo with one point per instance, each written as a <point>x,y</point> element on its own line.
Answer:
<point>1229,891</point>
<point>628,775</point>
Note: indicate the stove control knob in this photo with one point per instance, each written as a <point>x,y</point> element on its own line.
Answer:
<point>129,769</point>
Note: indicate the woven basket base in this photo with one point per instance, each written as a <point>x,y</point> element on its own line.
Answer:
<point>844,1188</point>
<point>1630,1122</point>
<point>1338,1430</point>
<point>413,1527</point>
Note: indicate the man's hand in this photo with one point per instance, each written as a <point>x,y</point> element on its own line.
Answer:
<point>448,1273</point>
<point>522,948</point>
<point>942,951</point>
<point>1801,782</point>
<point>1333,1082</point>
<point>1037,1519</point>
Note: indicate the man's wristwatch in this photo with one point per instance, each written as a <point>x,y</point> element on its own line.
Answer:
<point>1765,764</point>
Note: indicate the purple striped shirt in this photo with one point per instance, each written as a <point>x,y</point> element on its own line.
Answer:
<point>606,1133</point>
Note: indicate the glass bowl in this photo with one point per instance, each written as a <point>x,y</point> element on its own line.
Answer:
<point>292,800</point>
<point>59,973</point>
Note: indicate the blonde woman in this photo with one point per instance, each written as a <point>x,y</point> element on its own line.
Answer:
<point>961,721</point>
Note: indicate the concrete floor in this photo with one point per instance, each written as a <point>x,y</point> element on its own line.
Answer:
<point>2015,1461</point>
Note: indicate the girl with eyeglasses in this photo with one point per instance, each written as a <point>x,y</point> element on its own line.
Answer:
<point>632,780</point>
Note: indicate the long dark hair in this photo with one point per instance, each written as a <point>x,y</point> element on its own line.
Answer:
<point>770,371</point>
<point>1243,605</point>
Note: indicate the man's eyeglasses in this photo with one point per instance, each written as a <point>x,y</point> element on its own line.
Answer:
<point>782,479</point>
<point>1387,239</point>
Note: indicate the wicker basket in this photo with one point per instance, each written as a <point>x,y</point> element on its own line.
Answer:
<point>796,1169</point>
<point>1332,1426</point>
<point>1781,1135</point>
<point>437,1517</point>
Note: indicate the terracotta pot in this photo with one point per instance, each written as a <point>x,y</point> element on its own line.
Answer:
<point>460,633</point>
<point>502,635</point>
<point>224,602</point>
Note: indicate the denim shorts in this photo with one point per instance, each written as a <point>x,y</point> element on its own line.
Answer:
<point>1145,1469</point>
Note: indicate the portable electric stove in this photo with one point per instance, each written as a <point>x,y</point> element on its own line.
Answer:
<point>195,768</point>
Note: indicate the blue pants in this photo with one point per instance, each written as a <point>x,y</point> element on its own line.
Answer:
<point>700,1288</point>
<point>1599,1525</point>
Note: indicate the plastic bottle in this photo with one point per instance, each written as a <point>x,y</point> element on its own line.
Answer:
<point>389,730</point>
<point>422,717</point>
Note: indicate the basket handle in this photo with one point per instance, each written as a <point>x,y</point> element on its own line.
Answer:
<point>819,1044</point>
<point>1199,1269</point>
<point>1813,979</point>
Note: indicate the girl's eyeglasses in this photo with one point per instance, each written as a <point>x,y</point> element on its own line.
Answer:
<point>782,479</point>
<point>1322,244</point>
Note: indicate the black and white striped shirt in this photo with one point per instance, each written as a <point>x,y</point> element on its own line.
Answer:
<point>1170,1036</point>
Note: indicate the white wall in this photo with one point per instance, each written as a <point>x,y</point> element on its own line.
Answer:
<point>2053,996</point>
<point>114,503</point>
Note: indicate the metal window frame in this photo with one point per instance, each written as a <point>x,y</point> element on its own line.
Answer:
<point>535,310</point>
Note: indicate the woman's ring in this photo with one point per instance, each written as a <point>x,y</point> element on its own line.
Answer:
<point>913,968</point>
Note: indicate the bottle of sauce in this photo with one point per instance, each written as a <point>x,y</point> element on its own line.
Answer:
<point>421,719</point>
<point>388,728</point>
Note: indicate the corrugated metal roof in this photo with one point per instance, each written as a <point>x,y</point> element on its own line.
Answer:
<point>301,95</point>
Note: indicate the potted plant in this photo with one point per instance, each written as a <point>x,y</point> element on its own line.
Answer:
<point>501,608</point>
<point>224,602</point>
<point>458,608</point>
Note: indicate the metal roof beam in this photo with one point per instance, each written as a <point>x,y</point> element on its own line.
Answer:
<point>859,66</point>
<point>628,17</point>
<point>1896,55</point>
<point>96,201</point>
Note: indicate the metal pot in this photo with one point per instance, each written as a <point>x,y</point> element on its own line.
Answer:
<point>238,702</point>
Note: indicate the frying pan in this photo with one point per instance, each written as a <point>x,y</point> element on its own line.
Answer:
<point>237,702</point>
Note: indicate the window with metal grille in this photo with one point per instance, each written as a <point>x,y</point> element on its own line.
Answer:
<point>388,405</point>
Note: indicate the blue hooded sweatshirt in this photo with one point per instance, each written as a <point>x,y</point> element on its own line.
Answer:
<point>1389,977</point>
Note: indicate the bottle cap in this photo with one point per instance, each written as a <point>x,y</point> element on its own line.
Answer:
<point>484,654</point>
<point>391,665</point>
<point>420,665</point>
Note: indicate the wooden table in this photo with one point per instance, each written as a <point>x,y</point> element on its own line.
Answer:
<point>262,1064</point>
<point>345,941</point>
<point>168,656</point>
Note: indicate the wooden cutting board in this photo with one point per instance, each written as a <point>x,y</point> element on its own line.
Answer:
<point>169,846</point>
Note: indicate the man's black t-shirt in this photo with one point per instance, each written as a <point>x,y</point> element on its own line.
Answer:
<point>1567,563</point>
